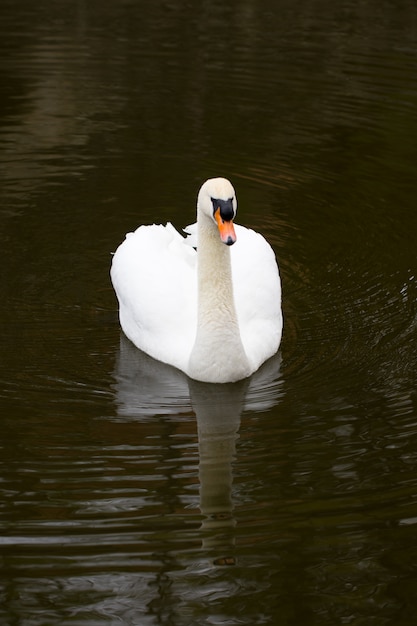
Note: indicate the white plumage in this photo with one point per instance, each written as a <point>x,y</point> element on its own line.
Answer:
<point>214,313</point>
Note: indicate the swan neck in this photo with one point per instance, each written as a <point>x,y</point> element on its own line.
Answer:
<point>215,285</point>
<point>218,354</point>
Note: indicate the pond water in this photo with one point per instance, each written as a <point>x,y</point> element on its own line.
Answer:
<point>131,495</point>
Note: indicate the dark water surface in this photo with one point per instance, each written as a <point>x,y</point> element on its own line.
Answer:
<point>130,495</point>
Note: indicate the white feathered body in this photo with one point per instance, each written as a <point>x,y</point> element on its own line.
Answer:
<point>154,274</point>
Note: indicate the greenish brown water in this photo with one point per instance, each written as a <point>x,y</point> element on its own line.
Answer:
<point>130,495</point>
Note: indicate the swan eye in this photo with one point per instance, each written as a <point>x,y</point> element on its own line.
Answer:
<point>227,211</point>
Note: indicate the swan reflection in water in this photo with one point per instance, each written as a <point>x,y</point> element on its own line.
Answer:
<point>146,388</point>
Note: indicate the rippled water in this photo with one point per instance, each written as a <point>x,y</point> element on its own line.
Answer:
<point>130,494</point>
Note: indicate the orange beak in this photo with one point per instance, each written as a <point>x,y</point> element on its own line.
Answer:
<point>226,229</point>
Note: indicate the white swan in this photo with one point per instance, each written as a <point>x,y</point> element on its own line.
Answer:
<point>215,314</point>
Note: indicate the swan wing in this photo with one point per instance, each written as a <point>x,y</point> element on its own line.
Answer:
<point>154,275</point>
<point>257,293</point>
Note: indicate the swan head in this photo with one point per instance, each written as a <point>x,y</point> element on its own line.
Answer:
<point>217,201</point>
